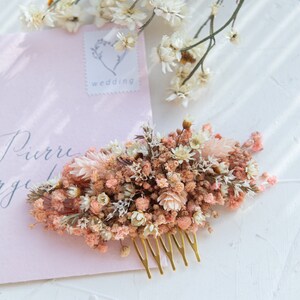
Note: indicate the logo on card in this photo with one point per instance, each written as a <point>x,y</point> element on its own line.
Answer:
<point>107,70</point>
<point>103,52</point>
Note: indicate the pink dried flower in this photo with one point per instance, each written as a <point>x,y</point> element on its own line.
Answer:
<point>272,180</point>
<point>92,240</point>
<point>209,198</point>
<point>121,232</point>
<point>111,183</point>
<point>102,248</point>
<point>142,203</point>
<point>147,168</point>
<point>184,222</point>
<point>38,204</point>
<point>57,204</point>
<point>40,215</point>
<point>95,207</point>
<point>58,195</point>
<point>257,141</point>
<point>162,183</point>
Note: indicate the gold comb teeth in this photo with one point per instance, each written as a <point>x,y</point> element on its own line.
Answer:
<point>166,241</point>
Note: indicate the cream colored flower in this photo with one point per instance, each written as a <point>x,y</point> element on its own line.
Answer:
<point>73,192</point>
<point>125,41</point>
<point>198,139</point>
<point>125,251</point>
<point>35,18</point>
<point>103,199</point>
<point>223,168</point>
<point>137,148</point>
<point>168,51</point>
<point>115,148</point>
<point>150,229</point>
<point>252,169</point>
<point>171,10</point>
<point>224,190</point>
<point>85,202</point>
<point>182,153</point>
<point>171,201</point>
<point>71,18</point>
<point>198,217</point>
<point>138,218</point>
<point>233,36</point>
<point>204,77</point>
<point>106,235</point>
<point>101,10</point>
<point>124,15</point>
<point>214,9</point>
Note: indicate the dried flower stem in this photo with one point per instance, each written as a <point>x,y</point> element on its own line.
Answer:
<point>211,44</point>
<point>219,2</point>
<point>147,22</point>
<point>133,4</point>
<point>230,20</point>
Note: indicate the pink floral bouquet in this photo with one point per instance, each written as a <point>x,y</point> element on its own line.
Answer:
<point>150,188</point>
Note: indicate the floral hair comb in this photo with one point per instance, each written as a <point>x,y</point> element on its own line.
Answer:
<point>158,191</point>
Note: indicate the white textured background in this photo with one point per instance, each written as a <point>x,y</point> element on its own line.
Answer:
<point>255,252</point>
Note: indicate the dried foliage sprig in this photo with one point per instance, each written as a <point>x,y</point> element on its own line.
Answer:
<point>177,53</point>
<point>150,188</point>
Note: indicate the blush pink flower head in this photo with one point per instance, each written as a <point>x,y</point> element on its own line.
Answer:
<point>95,207</point>
<point>171,201</point>
<point>142,203</point>
<point>162,183</point>
<point>92,239</point>
<point>184,222</point>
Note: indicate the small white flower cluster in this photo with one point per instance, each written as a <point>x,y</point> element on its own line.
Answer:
<point>176,52</point>
<point>66,14</point>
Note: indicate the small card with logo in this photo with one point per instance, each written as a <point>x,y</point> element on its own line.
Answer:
<point>60,94</point>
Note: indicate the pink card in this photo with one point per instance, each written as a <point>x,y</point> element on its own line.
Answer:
<point>60,94</point>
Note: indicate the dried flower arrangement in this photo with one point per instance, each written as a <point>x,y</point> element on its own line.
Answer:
<point>155,190</point>
<point>183,54</point>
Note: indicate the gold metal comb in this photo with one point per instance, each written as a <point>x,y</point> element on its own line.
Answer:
<point>152,244</point>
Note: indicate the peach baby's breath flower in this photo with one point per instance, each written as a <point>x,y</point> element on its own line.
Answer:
<point>121,232</point>
<point>59,195</point>
<point>39,204</point>
<point>142,203</point>
<point>184,222</point>
<point>209,198</point>
<point>272,180</point>
<point>92,239</point>
<point>111,183</point>
<point>102,248</point>
<point>57,204</point>
<point>162,183</point>
<point>40,215</point>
